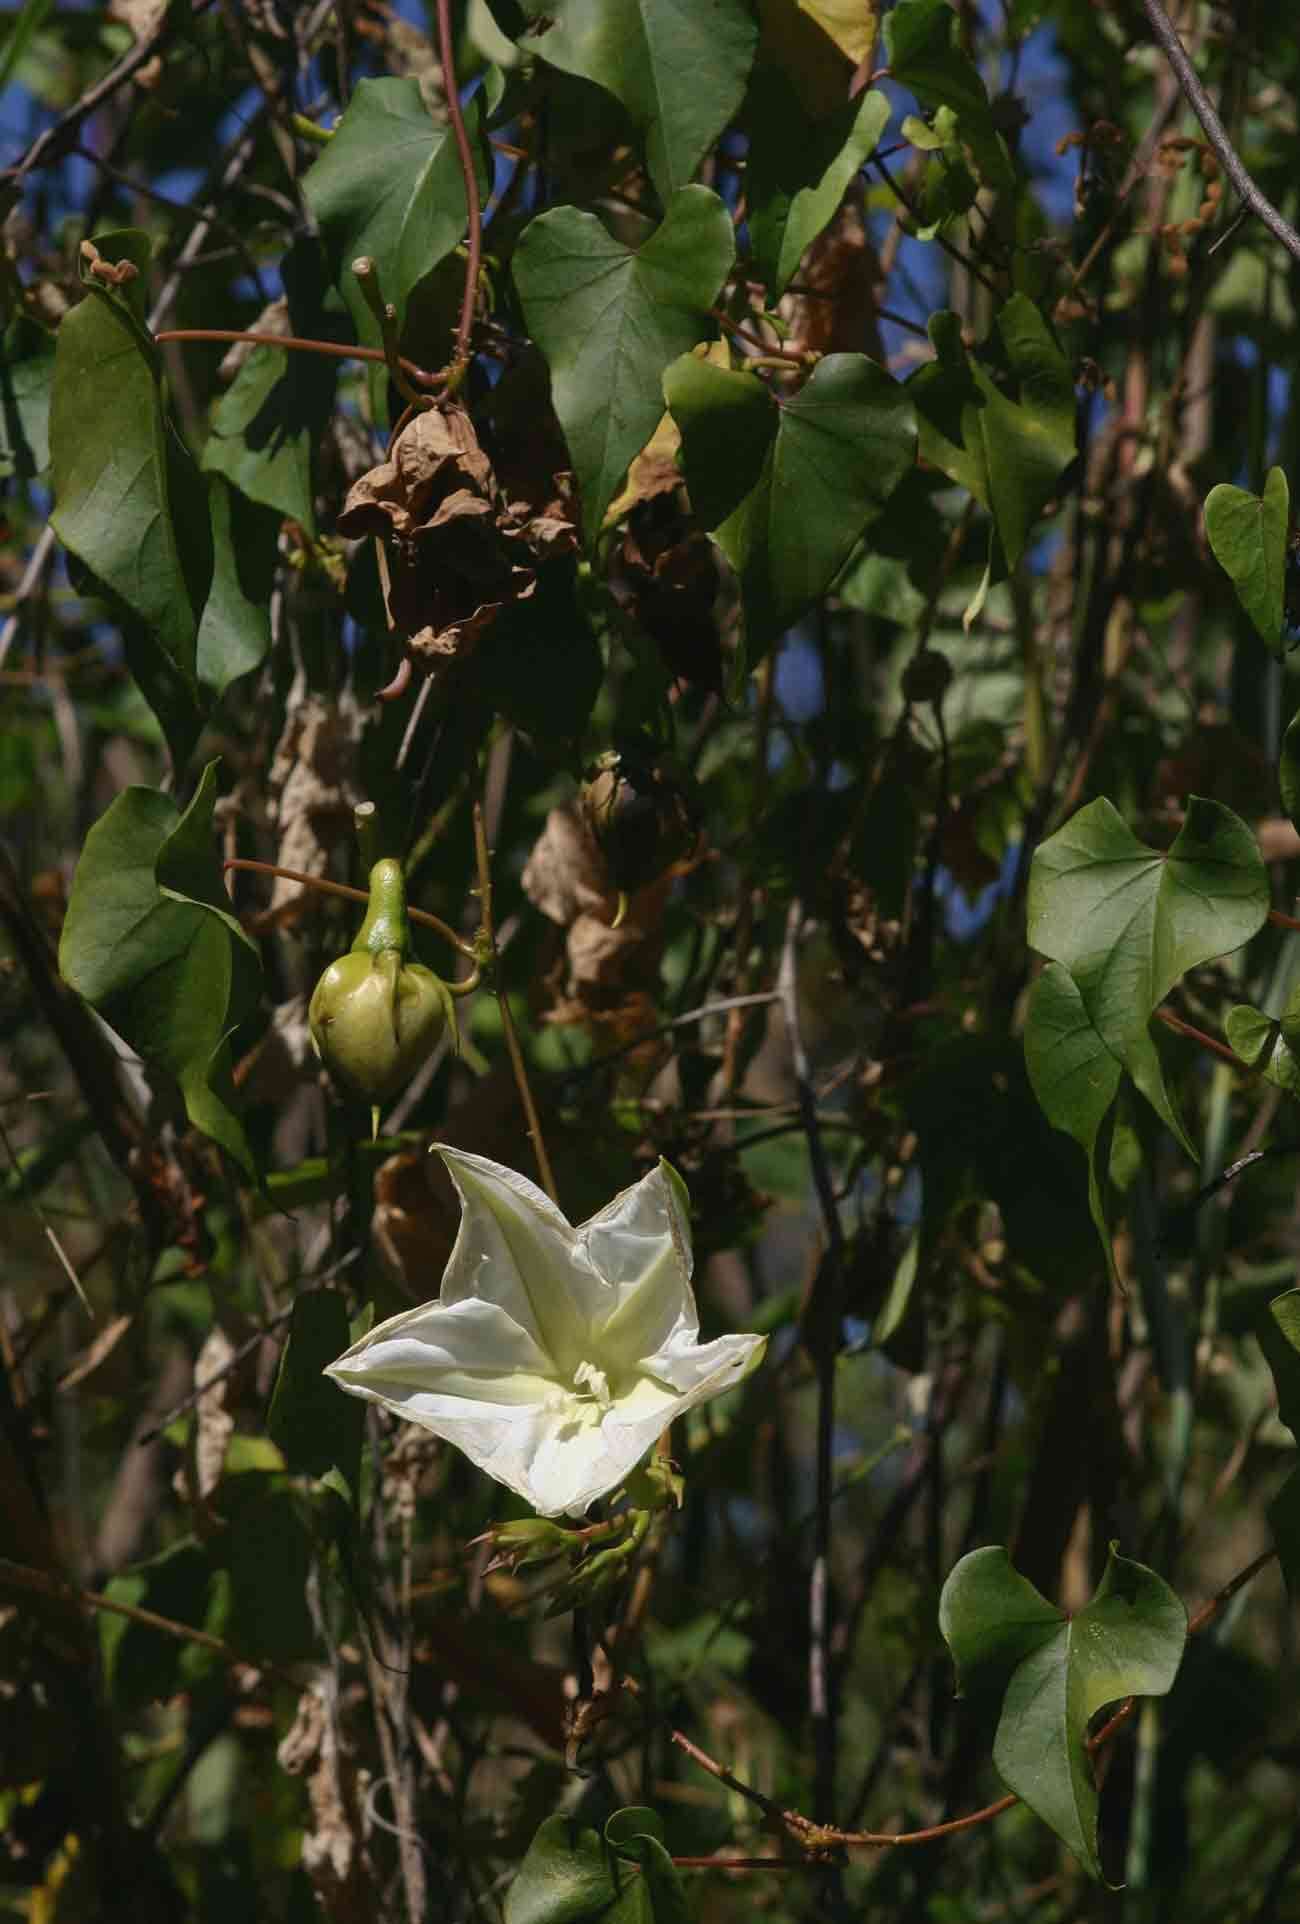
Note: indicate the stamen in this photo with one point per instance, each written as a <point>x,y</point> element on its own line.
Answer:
<point>594,1382</point>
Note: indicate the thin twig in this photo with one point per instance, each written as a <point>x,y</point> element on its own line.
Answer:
<point>1203,1041</point>
<point>337,350</point>
<point>1215,131</point>
<point>473,209</point>
<point>21,1576</point>
<point>821,1337</point>
<point>117,76</point>
<point>489,940</point>
<point>425,917</point>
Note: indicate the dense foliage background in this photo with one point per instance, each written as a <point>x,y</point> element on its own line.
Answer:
<point>804,570</point>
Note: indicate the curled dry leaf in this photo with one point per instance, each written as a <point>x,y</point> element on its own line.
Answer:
<point>333,1851</point>
<point>674,582</point>
<point>313,778</point>
<point>567,878</point>
<point>458,550</point>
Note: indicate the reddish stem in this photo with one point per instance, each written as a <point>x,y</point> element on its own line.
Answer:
<point>795,355</point>
<point>318,882</point>
<point>473,209</point>
<point>1281,921</point>
<point>1203,1041</point>
<point>337,349</point>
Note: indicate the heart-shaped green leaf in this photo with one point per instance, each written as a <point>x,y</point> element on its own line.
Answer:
<point>789,484</point>
<point>149,939</point>
<point>129,501</point>
<point>571,1875</point>
<point>679,69</point>
<point>1052,1674</point>
<point>1248,534</point>
<point>389,186</point>
<point>1128,921</point>
<point>610,318</point>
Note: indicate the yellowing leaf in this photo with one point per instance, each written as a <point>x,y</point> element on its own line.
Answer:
<point>851,24</point>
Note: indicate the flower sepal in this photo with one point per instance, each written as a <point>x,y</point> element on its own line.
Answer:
<point>526,1542</point>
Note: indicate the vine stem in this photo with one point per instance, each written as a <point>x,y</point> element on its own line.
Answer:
<point>1203,1041</point>
<point>337,350</point>
<point>473,208</point>
<point>1215,131</point>
<point>424,916</point>
<point>488,940</point>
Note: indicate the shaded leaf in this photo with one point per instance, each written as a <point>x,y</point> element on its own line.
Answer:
<point>129,502</point>
<point>1076,1080</point>
<point>609,319</point>
<point>1009,454</point>
<point>316,1426</point>
<point>26,379</point>
<point>149,940</point>
<point>679,68</point>
<point>834,453</point>
<point>1288,771</point>
<point>1248,534</point>
<point>1128,921</point>
<point>1054,1673</point>
<point>142,1665</point>
<point>799,168</point>
<point>267,427</point>
<point>235,630</point>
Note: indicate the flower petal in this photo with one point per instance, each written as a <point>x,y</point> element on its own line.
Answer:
<point>515,1248</point>
<point>640,1247</point>
<point>471,1350</point>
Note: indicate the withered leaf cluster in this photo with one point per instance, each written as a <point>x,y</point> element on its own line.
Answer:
<point>458,548</point>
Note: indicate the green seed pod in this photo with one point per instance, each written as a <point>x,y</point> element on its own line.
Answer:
<point>374,1020</point>
<point>640,816</point>
<point>374,1017</point>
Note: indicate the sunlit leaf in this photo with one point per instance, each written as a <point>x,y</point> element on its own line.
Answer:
<point>571,1875</point>
<point>679,68</point>
<point>814,469</point>
<point>1128,921</point>
<point>1052,1673</point>
<point>1248,534</point>
<point>389,186</point>
<point>609,319</point>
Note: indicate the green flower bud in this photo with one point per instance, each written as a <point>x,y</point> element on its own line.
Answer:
<point>640,816</point>
<point>374,1016</point>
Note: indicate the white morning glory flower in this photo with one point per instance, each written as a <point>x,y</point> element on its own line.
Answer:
<point>553,1357</point>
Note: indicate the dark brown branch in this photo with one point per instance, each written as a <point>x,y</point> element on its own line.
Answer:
<point>1215,131</point>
